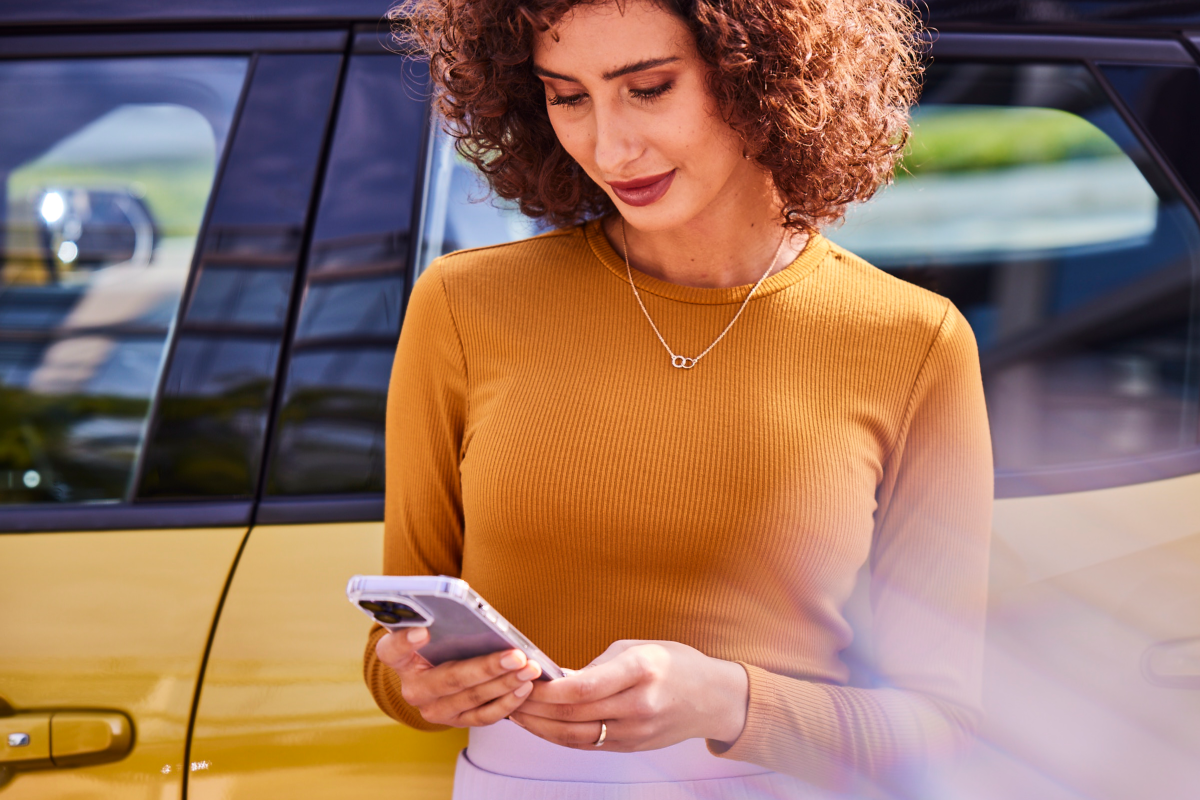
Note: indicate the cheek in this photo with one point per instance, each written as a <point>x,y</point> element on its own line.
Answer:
<point>574,137</point>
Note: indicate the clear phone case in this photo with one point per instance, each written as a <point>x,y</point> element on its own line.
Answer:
<point>461,624</point>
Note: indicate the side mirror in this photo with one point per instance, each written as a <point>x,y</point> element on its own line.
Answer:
<point>87,228</point>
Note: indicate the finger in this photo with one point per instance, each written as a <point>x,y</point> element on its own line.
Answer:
<point>452,677</point>
<point>396,649</point>
<point>593,683</point>
<point>496,710</point>
<point>580,735</point>
<point>473,697</point>
<point>629,704</point>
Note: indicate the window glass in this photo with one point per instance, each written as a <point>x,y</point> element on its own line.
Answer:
<point>209,433</point>
<point>105,171</point>
<point>329,435</point>
<point>459,212</point>
<point>1027,200</point>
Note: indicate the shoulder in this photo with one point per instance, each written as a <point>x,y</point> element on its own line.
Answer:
<point>512,261</point>
<point>886,305</point>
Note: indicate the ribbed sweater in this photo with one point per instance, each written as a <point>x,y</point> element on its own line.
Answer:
<point>541,446</point>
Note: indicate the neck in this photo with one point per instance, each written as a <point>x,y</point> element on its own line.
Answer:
<point>736,254</point>
<point>729,248</point>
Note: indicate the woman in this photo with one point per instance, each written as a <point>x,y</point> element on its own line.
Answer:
<point>664,438</point>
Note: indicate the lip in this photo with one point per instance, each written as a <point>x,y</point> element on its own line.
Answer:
<point>643,191</point>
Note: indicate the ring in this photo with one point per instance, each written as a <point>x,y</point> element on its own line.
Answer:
<point>603,733</point>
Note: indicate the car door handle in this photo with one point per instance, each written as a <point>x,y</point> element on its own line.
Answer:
<point>1174,664</point>
<point>32,740</point>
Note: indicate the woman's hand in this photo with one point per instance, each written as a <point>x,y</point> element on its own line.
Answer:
<point>648,694</point>
<point>475,691</point>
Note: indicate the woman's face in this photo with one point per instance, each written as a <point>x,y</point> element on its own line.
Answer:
<point>627,97</point>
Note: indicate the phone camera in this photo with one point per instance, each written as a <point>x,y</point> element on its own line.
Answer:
<point>390,612</point>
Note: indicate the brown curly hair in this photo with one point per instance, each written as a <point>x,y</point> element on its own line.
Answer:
<point>819,90</point>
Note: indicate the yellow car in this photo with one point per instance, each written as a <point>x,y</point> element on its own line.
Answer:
<point>212,216</point>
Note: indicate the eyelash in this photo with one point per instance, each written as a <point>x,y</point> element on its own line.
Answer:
<point>641,94</point>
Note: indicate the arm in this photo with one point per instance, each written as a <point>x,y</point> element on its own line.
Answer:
<point>426,418</point>
<point>928,599</point>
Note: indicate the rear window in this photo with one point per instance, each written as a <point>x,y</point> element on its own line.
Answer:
<point>107,166</point>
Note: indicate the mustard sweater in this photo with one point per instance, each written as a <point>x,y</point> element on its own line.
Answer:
<point>541,446</point>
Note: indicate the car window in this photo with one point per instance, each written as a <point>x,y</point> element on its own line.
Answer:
<point>329,435</point>
<point>458,211</point>
<point>106,166</point>
<point>1027,200</point>
<point>209,431</point>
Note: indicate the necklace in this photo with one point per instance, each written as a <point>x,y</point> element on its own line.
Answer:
<point>687,362</point>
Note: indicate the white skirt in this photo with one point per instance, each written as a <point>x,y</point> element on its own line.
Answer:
<point>506,762</point>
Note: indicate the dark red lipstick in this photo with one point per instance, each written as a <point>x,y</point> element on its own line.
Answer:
<point>643,191</point>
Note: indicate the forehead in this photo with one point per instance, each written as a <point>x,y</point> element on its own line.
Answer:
<point>593,38</point>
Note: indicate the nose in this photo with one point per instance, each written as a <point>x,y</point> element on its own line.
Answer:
<point>617,140</point>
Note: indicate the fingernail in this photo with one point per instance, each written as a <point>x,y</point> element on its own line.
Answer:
<point>529,673</point>
<point>523,689</point>
<point>415,635</point>
<point>513,660</point>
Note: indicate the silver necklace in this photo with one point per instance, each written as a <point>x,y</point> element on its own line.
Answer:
<point>687,362</point>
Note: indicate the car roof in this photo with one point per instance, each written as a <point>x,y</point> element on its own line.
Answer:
<point>1100,15</point>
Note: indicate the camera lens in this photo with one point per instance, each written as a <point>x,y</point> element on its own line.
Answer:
<point>389,612</point>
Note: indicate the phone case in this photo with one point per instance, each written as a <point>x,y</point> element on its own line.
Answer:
<point>461,625</point>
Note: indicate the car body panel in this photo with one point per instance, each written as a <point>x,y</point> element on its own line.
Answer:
<point>115,621</point>
<point>284,711</point>
<point>1085,588</point>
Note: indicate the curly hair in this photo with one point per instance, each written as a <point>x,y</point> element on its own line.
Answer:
<point>819,90</point>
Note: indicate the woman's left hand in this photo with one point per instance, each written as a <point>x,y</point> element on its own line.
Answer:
<point>648,694</point>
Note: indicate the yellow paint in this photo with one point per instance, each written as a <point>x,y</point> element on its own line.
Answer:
<point>1060,533</point>
<point>1084,585</point>
<point>284,711</point>
<point>89,737</point>
<point>110,620</point>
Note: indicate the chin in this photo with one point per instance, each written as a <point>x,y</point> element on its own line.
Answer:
<point>660,216</point>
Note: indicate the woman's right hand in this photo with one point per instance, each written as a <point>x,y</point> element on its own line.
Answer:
<point>473,692</point>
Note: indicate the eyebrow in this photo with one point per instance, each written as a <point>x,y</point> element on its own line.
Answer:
<point>637,66</point>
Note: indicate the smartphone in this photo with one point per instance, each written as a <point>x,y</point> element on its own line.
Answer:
<point>461,625</point>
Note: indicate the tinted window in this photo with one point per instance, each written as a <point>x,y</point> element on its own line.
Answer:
<point>329,436</point>
<point>105,171</point>
<point>1030,203</point>
<point>459,211</point>
<point>210,429</point>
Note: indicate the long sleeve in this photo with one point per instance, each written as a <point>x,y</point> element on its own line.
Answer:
<point>426,417</point>
<point>928,590</point>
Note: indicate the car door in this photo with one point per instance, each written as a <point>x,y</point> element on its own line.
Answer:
<point>156,189</point>
<point>283,710</point>
<point>1050,193</point>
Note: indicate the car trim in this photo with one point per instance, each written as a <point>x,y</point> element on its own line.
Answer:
<point>123,516</point>
<point>173,43</point>
<point>1090,477</point>
<point>1007,46</point>
<point>323,508</point>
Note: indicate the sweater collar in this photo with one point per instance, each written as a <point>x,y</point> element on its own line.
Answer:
<point>811,257</point>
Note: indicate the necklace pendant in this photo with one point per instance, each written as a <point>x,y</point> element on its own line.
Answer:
<point>683,362</point>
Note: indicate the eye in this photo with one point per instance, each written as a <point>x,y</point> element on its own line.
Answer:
<point>566,100</point>
<point>650,94</point>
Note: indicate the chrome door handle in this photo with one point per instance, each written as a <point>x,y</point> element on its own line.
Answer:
<point>33,740</point>
<point>1174,664</point>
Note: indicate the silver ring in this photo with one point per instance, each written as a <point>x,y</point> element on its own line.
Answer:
<point>683,362</point>
<point>603,733</point>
